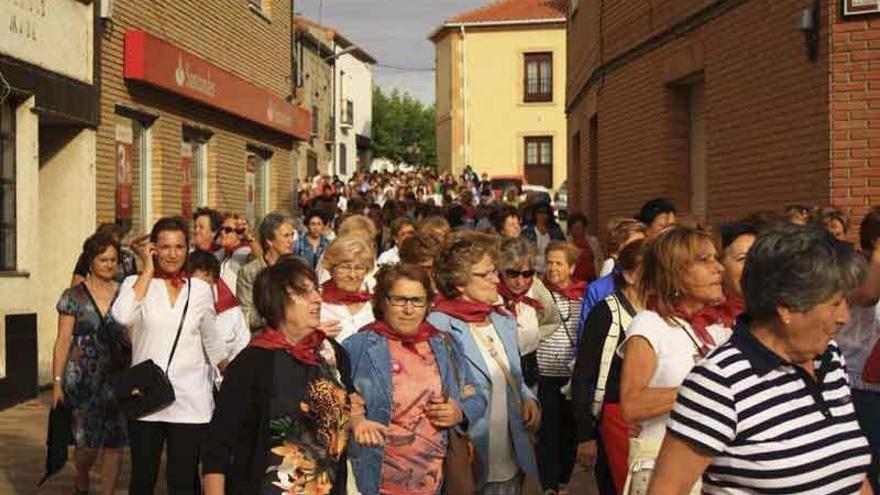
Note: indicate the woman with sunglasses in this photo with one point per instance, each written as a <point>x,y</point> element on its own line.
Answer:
<point>467,279</point>
<point>233,254</point>
<point>528,300</point>
<point>410,381</point>
<point>348,259</point>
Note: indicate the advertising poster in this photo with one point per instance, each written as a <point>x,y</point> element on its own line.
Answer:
<point>124,172</point>
<point>186,165</point>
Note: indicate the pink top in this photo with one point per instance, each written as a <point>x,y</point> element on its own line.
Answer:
<point>414,449</point>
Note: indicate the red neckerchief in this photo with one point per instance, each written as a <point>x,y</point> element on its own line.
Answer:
<point>468,311</point>
<point>178,279</point>
<point>425,332</point>
<point>511,299</point>
<point>701,320</point>
<point>730,310</point>
<point>574,290</point>
<point>305,351</point>
<point>225,298</point>
<point>871,373</point>
<point>332,294</point>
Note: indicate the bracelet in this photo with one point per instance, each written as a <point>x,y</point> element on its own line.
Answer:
<point>56,379</point>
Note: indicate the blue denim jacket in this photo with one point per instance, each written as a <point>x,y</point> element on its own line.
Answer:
<point>479,429</point>
<point>371,375</point>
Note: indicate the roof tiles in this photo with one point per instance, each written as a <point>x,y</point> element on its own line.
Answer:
<point>513,10</point>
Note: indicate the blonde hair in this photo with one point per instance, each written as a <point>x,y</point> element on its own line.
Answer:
<point>572,253</point>
<point>349,248</point>
<point>665,266</point>
<point>619,230</point>
<point>357,225</point>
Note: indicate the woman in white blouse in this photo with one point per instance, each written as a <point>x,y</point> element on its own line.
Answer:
<point>348,259</point>
<point>152,305</point>
<point>681,285</point>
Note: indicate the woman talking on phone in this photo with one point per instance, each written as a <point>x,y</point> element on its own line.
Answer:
<point>154,305</point>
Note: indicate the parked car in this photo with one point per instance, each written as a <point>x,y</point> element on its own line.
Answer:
<point>501,183</point>
<point>562,200</point>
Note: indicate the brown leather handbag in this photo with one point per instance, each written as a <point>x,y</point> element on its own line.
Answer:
<point>462,468</point>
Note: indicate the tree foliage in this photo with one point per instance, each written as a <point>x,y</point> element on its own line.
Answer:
<point>403,129</point>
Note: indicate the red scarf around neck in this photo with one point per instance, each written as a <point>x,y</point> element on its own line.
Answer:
<point>225,298</point>
<point>704,318</point>
<point>305,351</point>
<point>332,294</point>
<point>425,332</point>
<point>574,290</point>
<point>178,279</point>
<point>468,311</point>
<point>511,299</point>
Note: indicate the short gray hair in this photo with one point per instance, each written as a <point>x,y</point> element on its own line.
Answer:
<point>514,250</point>
<point>270,224</point>
<point>797,267</point>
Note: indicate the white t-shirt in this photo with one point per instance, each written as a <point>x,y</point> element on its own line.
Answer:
<point>607,267</point>
<point>351,323</point>
<point>502,462</point>
<point>676,356</point>
<point>154,323</point>
<point>389,257</point>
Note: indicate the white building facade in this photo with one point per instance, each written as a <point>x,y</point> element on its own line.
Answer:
<point>353,112</point>
<point>49,112</point>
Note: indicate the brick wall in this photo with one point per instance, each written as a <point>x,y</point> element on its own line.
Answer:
<point>765,107</point>
<point>227,33</point>
<point>855,112</point>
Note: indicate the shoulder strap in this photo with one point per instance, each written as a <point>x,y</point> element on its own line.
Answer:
<point>447,342</point>
<point>180,326</point>
<point>511,383</point>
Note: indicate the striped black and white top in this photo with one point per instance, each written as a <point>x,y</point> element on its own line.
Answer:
<point>771,427</point>
<point>556,352</point>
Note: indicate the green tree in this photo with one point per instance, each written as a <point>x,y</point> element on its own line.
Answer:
<point>403,129</point>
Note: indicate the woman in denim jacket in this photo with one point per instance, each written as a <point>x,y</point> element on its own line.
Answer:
<point>467,279</point>
<point>408,394</point>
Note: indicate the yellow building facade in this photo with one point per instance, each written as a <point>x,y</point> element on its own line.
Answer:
<point>500,92</point>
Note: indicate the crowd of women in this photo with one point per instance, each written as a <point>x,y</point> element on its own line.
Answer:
<point>387,341</point>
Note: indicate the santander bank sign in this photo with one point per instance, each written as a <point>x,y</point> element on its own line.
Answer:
<point>185,76</point>
<point>156,62</point>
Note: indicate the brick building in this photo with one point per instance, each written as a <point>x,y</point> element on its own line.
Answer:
<point>725,106</point>
<point>196,109</point>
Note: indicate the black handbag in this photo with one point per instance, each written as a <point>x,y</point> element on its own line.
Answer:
<point>145,388</point>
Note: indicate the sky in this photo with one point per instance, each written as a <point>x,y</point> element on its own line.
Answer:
<point>394,32</point>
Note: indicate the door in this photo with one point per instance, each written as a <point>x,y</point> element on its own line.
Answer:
<point>539,160</point>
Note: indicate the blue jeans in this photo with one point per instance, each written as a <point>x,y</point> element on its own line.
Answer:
<point>867,406</point>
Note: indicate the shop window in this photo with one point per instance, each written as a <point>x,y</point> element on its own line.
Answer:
<point>538,83</point>
<point>539,160</point>
<point>258,183</point>
<point>194,170</point>
<point>7,188</point>
<point>133,171</point>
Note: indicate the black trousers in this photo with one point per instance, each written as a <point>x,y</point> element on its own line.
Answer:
<point>557,441</point>
<point>183,442</point>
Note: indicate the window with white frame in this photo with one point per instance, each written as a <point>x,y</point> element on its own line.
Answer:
<point>7,188</point>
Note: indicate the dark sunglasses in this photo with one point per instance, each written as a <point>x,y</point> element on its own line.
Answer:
<point>517,273</point>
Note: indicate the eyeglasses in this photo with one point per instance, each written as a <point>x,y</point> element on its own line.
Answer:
<point>401,301</point>
<point>517,273</point>
<point>346,268</point>
<point>229,230</point>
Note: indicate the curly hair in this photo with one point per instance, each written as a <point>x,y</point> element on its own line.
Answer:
<point>453,269</point>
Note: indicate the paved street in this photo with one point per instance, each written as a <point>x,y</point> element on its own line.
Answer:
<point>22,443</point>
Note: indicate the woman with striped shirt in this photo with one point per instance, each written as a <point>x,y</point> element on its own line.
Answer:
<point>556,443</point>
<point>770,411</point>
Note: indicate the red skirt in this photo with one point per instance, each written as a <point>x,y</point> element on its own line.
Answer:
<point>615,439</point>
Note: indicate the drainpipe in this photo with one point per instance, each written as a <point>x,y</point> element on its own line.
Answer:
<point>464,100</point>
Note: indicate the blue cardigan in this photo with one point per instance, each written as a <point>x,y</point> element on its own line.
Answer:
<point>371,375</point>
<point>479,429</point>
